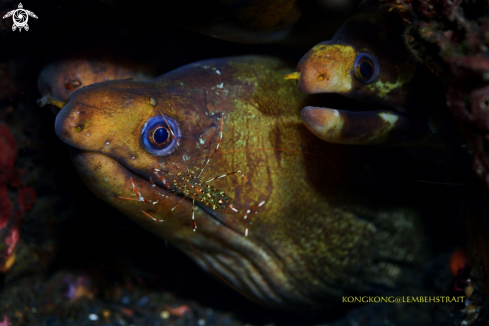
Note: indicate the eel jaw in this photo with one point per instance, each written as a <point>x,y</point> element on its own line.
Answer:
<point>83,168</point>
<point>360,128</point>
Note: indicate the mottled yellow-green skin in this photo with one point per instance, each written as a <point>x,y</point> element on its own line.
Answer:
<point>314,240</point>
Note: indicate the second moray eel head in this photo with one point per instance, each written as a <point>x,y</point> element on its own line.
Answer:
<point>367,60</point>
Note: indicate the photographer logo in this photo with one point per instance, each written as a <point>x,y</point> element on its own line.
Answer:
<point>20,17</point>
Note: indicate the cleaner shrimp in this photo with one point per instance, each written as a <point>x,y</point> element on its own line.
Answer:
<point>192,186</point>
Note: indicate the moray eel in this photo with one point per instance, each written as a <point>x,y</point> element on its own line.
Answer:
<point>311,242</point>
<point>368,60</point>
<point>61,78</point>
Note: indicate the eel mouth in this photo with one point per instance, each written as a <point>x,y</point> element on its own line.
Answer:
<point>84,168</point>
<point>370,125</point>
<point>361,123</point>
<point>358,128</point>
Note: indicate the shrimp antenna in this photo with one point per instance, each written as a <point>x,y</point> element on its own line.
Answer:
<point>217,147</point>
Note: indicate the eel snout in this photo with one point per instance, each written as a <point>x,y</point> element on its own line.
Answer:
<point>326,69</point>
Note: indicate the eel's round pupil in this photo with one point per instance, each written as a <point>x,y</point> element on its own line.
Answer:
<point>161,135</point>
<point>366,69</point>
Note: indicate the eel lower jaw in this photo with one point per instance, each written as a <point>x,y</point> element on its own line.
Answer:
<point>218,217</point>
<point>374,125</point>
<point>362,127</point>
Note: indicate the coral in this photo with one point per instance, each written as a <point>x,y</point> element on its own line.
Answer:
<point>8,153</point>
<point>17,253</point>
<point>451,37</point>
<point>68,298</point>
<point>12,203</point>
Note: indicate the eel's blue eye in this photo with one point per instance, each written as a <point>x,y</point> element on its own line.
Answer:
<point>366,68</point>
<point>160,135</point>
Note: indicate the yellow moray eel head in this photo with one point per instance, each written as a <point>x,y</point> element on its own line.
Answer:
<point>367,60</point>
<point>315,239</point>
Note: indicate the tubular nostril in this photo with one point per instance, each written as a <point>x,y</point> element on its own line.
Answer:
<point>79,127</point>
